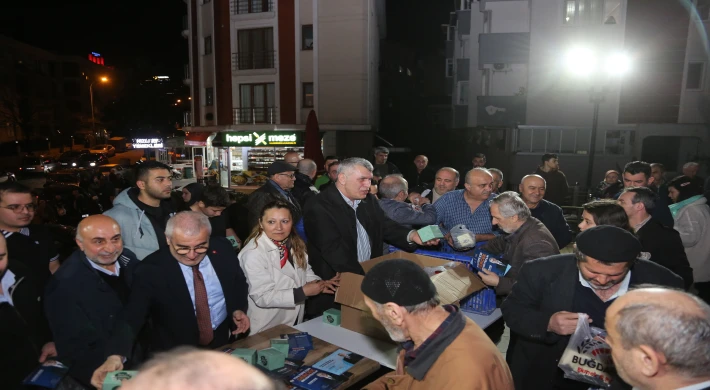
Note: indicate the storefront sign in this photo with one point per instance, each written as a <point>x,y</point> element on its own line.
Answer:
<point>268,138</point>
<point>148,143</point>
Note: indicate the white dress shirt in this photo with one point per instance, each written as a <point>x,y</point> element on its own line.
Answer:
<point>215,295</point>
<point>623,288</point>
<point>7,281</point>
<point>104,270</point>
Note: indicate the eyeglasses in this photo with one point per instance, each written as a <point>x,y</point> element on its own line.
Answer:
<point>18,208</point>
<point>183,251</point>
<point>289,175</point>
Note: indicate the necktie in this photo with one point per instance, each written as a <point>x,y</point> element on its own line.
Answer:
<point>202,307</point>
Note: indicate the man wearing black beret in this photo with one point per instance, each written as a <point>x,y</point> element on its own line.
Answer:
<point>541,311</point>
<point>441,348</point>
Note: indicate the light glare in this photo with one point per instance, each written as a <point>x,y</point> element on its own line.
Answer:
<point>580,61</point>
<point>618,64</point>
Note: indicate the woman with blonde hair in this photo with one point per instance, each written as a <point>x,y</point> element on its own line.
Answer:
<point>275,263</point>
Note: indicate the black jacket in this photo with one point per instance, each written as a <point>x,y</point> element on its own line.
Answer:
<point>666,249</point>
<point>23,327</point>
<point>425,178</point>
<point>544,287</point>
<point>332,236</point>
<point>82,309</point>
<point>264,195</point>
<point>159,291</point>
<point>302,189</point>
<point>552,216</point>
<point>556,186</point>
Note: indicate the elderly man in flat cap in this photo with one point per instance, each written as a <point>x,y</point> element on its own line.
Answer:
<point>441,348</point>
<point>542,309</point>
<point>282,178</point>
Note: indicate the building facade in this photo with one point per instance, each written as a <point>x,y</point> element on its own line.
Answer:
<point>538,74</point>
<point>263,65</point>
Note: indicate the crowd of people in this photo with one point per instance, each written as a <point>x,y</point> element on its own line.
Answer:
<point>151,274</point>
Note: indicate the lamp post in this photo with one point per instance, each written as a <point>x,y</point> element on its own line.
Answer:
<point>91,96</point>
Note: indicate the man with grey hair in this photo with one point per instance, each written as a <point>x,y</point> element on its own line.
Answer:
<point>660,339</point>
<point>527,239</point>
<point>393,193</point>
<point>87,294</point>
<point>193,290</point>
<point>497,179</point>
<point>345,226</point>
<point>691,170</point>
<point>382,167</point>
<point>303,188</point>
<point>187,368</point>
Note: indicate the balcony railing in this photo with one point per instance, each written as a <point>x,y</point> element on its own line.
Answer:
<point>253,115</point>
<point>254,60</point>
<point>240,7</point>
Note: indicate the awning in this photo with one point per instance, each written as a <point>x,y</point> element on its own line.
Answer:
<point>197,138</point>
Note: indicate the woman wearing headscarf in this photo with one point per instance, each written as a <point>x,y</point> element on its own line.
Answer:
<point>190,195</point>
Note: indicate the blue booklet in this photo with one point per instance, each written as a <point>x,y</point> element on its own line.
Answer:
<point>299,344</point>
<point>310,378</point>
<point>484,260</point>
<point>338,362</point>
<point>47,375</point>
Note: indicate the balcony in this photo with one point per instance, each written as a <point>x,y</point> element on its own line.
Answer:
<point>254,115</point>
<point>254,60</point>
<point>506,111</point>
<point>242,7</point>
<point>503,48</point>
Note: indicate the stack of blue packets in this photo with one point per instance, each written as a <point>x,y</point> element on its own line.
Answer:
<point>299,344</point>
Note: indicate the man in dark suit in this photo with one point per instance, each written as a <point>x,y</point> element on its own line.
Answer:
<point>663,243</point>
<point>193,290</point>
<point>24,334</point>
<point>86,295</point>
<point>541,310</point>
<point>346,226</point>
<point>656,339</point>
<point>282,178</point>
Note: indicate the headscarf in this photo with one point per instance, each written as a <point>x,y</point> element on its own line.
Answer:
<point>195,190</point>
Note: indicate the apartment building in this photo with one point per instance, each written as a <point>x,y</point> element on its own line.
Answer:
<point>539,76</point>
<point>263,65</point>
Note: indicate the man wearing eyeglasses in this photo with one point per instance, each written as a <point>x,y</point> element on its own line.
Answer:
<point>282,178</point>
<point>29,244</point>
<point>142,211</point>
<point>193,290</point>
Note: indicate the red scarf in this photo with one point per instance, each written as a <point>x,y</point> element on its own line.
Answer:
<point>283,250</point>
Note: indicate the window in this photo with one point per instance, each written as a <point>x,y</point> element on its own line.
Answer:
<point>450,33</point>
<point>449,67</point>
<point>307,37</point>
<point>307,95</point>
<point>694,79</point>
<point>206,1</point>
<point>209,96</point>
<point>256,49</point>
<point>703,8</point>
<point>251,6</point>
<point>584,11</point>
<point>208,44</point>
<point>256,102</point>
<point>462,93</point>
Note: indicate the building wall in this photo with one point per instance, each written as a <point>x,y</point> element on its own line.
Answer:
<point>695,104</point>
<point>205,25</point>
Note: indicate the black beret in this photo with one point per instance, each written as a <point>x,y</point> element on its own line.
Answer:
<point>279,167</point>
<point>609,244</point>
<point>398,281</point>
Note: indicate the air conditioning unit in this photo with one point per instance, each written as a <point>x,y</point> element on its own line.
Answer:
<point>499,67</point>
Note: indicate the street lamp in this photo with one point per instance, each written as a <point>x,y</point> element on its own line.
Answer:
<point>600,70</point>
<point>102,79</point>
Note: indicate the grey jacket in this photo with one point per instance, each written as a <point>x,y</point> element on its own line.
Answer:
<point>404,214</point>
<point>532,241</point>
<point>136,229</point>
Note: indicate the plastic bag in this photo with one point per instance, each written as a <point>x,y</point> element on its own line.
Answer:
<point>587,357</point>
<point>462,238</point>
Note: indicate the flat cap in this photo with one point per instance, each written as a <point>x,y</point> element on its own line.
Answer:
<point>398,281</point>
<point>609,244</point>
<point>280,167</point>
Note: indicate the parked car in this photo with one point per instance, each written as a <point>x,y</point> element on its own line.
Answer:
<point>37,164</point>
<point>106,169</point>
<point>77,203</point>
<point>72,176</point>
<point>90,160</point>
<point>70,158</point>
<point>7,176</point>
<point>106,149</point>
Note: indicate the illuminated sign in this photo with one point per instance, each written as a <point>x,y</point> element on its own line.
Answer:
<point>96,58</point>
<point>148,143</point>
<point>268,138</point>
<point>95,54</point>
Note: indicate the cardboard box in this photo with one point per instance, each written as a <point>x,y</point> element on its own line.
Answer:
<point>332,317</point>
<point>115,379</point>
<point>246,354</point>
<point>453,285</point>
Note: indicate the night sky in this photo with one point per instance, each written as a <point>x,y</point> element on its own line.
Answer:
<point>140,35</point>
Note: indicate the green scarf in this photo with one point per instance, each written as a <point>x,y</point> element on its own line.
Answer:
<point>676,207</point>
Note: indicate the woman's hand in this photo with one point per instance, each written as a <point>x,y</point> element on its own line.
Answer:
<point>313,288</point>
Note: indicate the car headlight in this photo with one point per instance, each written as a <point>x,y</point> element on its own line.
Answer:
<point>73,164</point>
<point>92,164</point>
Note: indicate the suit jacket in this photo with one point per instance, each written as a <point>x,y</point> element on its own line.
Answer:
<point>82,310</point>
<point>303,189</point>
<point>404,214</point>
<point>531,241</point>
<point>421,179</point>
<point>266,194</point>
<point>332,237</point>
<point>23,327</point>
<point>544,287</point>
<point>666,249</point>
<point>159,291</point>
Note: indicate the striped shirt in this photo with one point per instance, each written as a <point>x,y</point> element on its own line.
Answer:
<point>363,240</point>
<point>452,210</point>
